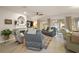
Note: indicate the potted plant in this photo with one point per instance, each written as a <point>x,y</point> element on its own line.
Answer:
<point>6,33</point>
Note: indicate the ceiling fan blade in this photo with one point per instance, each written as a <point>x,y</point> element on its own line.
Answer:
<point>37,13</point>
<point>41,14</point>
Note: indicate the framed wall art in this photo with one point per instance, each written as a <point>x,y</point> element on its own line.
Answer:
<point>8,21</point>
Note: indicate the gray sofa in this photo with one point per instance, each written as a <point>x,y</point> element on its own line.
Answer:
<point>51,33</point>
<point>34,41</point>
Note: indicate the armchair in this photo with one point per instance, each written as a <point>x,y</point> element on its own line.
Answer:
<point>72,43</point>
<point>34,41</point>
<point>72,40</point>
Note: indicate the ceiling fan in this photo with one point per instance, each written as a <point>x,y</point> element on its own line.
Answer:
<point>39,13</point>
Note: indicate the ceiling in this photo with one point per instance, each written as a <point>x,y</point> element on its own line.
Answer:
<point>46,10</point>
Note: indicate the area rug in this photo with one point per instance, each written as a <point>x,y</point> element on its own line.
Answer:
<point>47,41</point>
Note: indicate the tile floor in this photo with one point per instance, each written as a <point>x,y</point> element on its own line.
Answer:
<point>55,46</point>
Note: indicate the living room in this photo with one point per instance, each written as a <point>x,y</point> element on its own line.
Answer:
<point>42,29</point>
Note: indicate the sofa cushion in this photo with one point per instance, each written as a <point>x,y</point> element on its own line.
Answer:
<point>50,30</point>
<point>75,37</point>
<point>31,31</point>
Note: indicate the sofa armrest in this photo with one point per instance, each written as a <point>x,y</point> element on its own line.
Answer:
<point>68,37</point>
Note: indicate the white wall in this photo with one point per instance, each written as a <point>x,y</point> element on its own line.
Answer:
<point>6,14</point>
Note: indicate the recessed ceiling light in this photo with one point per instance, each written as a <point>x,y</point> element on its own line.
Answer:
<point>25,12</point>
